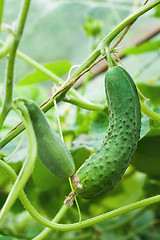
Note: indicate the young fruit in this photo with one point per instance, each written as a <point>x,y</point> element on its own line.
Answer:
<point>52,152</point>
<point>101,172</point>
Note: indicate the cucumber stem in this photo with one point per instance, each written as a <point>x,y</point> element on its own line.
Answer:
<point>109,58</point>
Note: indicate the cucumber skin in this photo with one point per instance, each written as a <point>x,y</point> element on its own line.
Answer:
<point>102,171</point>
<point>52,152</point>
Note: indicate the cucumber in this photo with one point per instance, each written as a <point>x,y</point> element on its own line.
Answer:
<point>102,171</point>
<point>52,152</point>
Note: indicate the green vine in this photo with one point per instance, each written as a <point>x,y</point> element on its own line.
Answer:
<point>11,62</point>
<point>75,226</point>
<point>29,161</point>
<point>7,46</point>
<point>1,12</point>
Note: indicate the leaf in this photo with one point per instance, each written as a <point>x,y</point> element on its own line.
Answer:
<point>151,90</point>
<point>145,126</point>
<point>99,124</point>
<point>58,68</point>
<point>128,190</point>
<point>157,12</point>
<point>43,179</point>
<point>2,237</point>
<point>143,48</point>
<point>20,154</point>
<point>147,158</point>
<point>80,154</point>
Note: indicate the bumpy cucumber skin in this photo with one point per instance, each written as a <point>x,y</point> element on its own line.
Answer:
<point>101,172</point>
<point>52,152</point>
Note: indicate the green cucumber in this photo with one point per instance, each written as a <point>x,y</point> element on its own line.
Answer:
<point>102,171</point>
<point>52,152</point>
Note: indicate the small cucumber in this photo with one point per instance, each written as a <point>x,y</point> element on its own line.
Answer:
<point>101,172</point>
<point>52,152</point>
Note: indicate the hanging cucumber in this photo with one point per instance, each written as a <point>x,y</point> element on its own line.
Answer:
<point>101,172</point>
<point>52,152</point>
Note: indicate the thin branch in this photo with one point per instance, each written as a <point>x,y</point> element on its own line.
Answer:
<point>72,81</point>
<point>125,32</point>
<point>11,63</point>
<point>1,11</point>
<point>7,46</point>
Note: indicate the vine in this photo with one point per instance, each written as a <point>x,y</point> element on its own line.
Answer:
<point>83,224</point>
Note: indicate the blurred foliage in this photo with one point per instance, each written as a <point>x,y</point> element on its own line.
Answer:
<point>144,47</point>
<point>92,27</point>
<point>52,36</point>
<point>157,12</point>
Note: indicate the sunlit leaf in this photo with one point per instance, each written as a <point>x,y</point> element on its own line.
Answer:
<point>58,68</point>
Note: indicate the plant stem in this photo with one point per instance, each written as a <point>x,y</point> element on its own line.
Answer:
<point>26,203</point>
<point>108,39</point>
<point>11,62</point>
<point>149,113</point>
<point>7,46</point>
<point>75,226</point>
<point>11,135</point>
<point>80,103</point>
<point>100,218</point>
<point>28,165</point>
<point>1,11</point>
<point>109,58</point>
<point>56,219</point>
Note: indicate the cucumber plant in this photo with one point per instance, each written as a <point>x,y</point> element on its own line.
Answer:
<point>101,172</point>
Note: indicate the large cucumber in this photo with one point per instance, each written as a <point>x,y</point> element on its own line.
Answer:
<point>101,172</point>
<point>52,152</point>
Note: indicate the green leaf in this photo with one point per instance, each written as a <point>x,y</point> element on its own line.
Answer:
<point>128,190</point>
<point>151,90</point>
<point>43,179</point>
<point>157,12</point>
<point>145,126</point>
<point>20,154</point>
<point>2,156</point>
<point>146,158</point>
<point>58,68</point>
<point>143,48</point>
<point>99,124</point>
<point>80,154</point>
